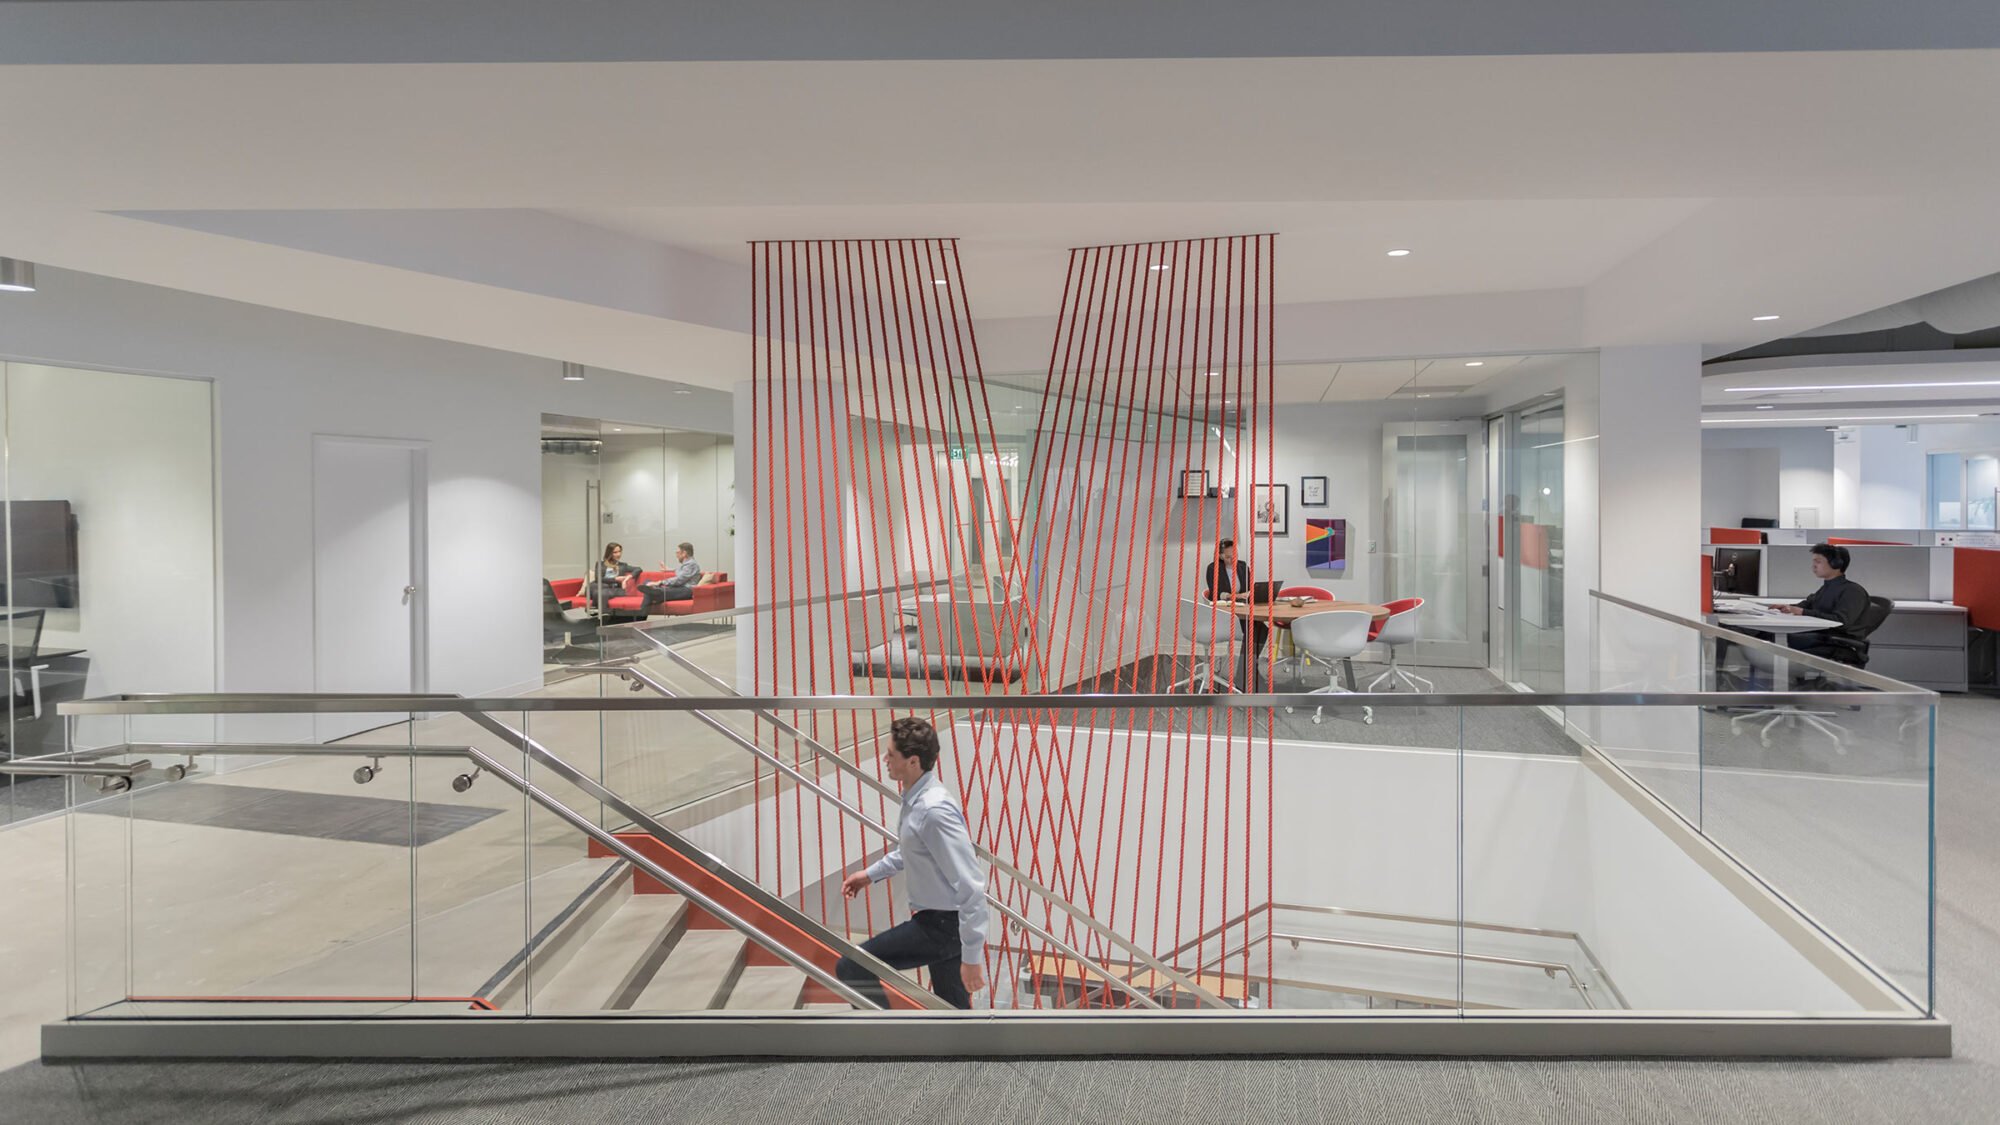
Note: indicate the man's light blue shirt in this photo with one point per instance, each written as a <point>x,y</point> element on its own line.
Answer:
<point>935,854</point>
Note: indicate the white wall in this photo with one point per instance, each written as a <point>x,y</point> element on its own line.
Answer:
<point>1805,465</point>
<point>280,378</point>
<point>1546,844</point>
<point>1738,483</point>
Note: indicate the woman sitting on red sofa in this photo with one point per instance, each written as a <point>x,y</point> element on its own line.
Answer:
<point>609,581</point>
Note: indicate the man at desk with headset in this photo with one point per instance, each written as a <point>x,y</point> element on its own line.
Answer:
<point>1838,598</point>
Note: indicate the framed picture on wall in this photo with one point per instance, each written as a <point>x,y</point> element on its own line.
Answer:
<point>1270,509</point>
<point>1194,484</point>
<point>1312,492</point>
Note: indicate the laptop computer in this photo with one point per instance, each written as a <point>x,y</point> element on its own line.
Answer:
<point>1264,593</point>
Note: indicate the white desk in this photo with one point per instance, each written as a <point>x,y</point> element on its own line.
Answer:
<point>1782,623</point>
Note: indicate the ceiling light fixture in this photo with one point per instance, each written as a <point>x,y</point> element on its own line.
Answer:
<point>939,281</point>
<point>1159,267</point>
<point>1767,406</point>
<point>17,276</point>
<point>1852,421</point>
<point>1767,316</point>
<point>1862,387</point>
<point>684,391</point>
<point>572,372</point>
<point>1399,253</point>
<point>1475,363</point>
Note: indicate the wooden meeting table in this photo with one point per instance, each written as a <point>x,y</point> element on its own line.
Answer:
<point>1283,612</point>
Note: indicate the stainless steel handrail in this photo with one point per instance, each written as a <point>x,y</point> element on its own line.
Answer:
<point>638,676</point>
<point>1552,967</point>
<point>1596,966</point>
<point>722,872</point>
<point>1817,663</point>
<point>278,703</point>
<point>44,767</point>
<point>1021,878</point>
<point>488,764</point>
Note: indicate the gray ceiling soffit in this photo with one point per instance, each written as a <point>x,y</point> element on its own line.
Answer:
<point>442,31</point>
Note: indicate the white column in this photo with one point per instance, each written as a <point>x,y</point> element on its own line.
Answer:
<point>1649,475</point>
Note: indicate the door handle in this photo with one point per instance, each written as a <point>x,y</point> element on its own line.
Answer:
<point>408,592</point>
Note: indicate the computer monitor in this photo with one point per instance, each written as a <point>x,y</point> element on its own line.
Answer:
<point>1737,570</point>
<point>1760,521</point>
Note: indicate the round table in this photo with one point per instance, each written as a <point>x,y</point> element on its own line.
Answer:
<point>1283,612</point>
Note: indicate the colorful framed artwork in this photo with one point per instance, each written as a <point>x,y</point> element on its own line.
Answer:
<point>1194,484</point>
<point>1312,492</point>
<point>1270,509</point>
<point>1326,545</point>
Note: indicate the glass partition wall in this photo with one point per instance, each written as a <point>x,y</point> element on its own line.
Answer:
<point>109,568</point>
<point>642,488</point>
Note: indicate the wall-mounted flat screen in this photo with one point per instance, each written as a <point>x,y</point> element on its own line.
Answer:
<point>42,539</point>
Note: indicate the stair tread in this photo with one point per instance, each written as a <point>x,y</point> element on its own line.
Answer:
<point>603,966</point>
<point>694,972</point>
<point>768,988</point>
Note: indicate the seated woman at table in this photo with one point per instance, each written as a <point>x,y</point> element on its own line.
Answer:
<point>1228,577</point>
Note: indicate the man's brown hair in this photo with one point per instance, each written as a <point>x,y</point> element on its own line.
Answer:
<point>917,739</point>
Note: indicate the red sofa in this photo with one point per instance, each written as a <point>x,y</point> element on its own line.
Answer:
<point>710,596</point>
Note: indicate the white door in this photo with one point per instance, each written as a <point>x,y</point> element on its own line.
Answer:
<point>1433,479</point>
<point>368,572</point>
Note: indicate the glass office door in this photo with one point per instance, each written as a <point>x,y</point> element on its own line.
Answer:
<point>1432,479</point>
<point>1525,550</point>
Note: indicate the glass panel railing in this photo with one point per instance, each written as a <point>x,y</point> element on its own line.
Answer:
<point>1474,852</point>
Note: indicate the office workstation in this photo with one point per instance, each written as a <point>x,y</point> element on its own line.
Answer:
<point>1941,594</point>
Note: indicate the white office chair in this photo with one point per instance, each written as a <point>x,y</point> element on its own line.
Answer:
<point>1208,626</point>
<point>1333,636</point>
<point>1400,629</point>
<point>1767,720</point>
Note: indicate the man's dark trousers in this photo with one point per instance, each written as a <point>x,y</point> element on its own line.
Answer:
<point>930,939</point>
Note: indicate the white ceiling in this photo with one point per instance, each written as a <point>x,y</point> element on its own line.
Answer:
<point>1885,388</point>
<point>1664,197</point>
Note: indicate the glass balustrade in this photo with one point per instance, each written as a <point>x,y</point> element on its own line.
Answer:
<point>1702,832</point>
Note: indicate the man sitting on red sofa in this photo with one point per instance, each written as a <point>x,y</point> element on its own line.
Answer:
<point>676,587</point>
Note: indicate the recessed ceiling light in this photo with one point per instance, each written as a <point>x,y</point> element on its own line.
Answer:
<point>1159,267</point>
<point>1546,490</point>
<point>683,392</point>
<point>572,372</point>
<point>1475,363</point>
<point>617,429</point>
<point>939,281</point>
<point>1399,253</point>
<point>1423,396</point>
<point>1215,374</point>
<point>1771,316</point>
<point>1767,406</point>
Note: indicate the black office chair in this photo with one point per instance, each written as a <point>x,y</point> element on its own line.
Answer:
<point>1851,647</point>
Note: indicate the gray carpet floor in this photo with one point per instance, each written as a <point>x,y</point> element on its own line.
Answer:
<point>1022,1092</point>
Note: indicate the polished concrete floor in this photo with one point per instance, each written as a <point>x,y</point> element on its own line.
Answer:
<point>1964,1088</point>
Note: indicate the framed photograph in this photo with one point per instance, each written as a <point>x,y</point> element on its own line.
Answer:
<point>1312,492</point>
<point>1194,484</point>
<point>1270,509</point>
